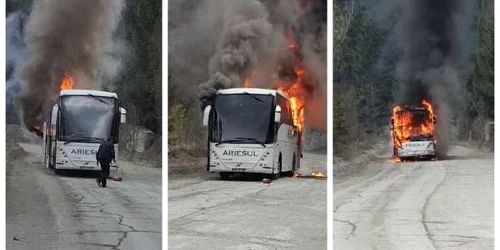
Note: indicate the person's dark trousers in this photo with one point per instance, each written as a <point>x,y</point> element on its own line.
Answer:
<point>104,172</point>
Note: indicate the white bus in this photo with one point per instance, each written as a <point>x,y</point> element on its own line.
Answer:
<point>80,120</point>
<point>251,130</point>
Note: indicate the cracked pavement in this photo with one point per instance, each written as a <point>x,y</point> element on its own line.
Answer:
<point>208,213</point>
<point>46,211</point>
<point>445,204</point>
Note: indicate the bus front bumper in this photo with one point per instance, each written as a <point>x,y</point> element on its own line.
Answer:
<point>241,168</point>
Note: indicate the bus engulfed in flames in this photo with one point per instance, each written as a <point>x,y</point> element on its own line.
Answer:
<point>413,132</point>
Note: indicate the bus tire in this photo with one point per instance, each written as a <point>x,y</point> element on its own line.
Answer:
<point>294,167</point>
<point>278,174</point>
<point>50,165</point>
<point>58,171</point>
<point>224,175</point>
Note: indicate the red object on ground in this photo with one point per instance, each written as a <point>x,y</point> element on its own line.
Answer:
<point>266,181</point>
<point>117,178</point>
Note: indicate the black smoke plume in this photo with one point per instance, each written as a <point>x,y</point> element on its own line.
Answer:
<point>63,36</point>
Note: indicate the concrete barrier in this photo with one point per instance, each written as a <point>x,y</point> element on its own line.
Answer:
<point>141,145</point>
<point>136,138</point>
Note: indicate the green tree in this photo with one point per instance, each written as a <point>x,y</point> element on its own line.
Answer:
<point>481,84</point>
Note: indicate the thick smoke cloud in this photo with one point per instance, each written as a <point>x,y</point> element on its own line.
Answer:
<point>251,44</point>
<point>428,39</point>
<point>243,41</point>
<point>66,36</point>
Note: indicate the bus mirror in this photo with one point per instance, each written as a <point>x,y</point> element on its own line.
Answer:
<point>277,114</point>
<point>123,115</point>
<point>206,115</point>
<point>55,109</point>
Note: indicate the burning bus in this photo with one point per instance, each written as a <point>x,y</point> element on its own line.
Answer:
<point>78,122</point>
<point>252,130</point>
<point>412,131</point>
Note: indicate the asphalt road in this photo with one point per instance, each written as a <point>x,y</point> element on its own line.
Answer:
<point>444,204</point>
<point>46,211</point>
<point>290,213</point>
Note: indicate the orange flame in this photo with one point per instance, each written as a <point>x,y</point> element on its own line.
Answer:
<point>297,101</point>
<point>314,175</point>
<point>318,174</point>
<point>247,83</point>
<point>66,82</point>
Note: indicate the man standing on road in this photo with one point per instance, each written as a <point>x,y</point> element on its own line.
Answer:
<point>105,154</point>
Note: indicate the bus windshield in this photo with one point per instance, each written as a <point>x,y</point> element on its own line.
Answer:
<point>243,118</point>
<point>86,118</point>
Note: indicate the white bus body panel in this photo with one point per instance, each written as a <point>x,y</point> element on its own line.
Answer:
<point>79,156</point>
<point>286,144</point>
<point>254,158</point>
<point>417,149</point>
<point>257,91</point>
<point>246,158</point>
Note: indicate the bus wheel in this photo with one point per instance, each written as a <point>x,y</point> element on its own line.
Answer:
<point>58,171</point>
<point>224,175</point>
<point>294,167</point>
<point>280,167</point>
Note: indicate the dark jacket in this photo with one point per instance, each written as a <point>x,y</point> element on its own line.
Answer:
<point>106,152</point>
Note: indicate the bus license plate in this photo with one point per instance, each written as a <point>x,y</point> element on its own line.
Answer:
<point>239,170</point>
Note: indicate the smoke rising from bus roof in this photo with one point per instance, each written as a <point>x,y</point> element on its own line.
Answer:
<point>431,47</point>
<point>428,40</point>
<point>65,36</point>
<point>253,33</point>
<point>243,41</point>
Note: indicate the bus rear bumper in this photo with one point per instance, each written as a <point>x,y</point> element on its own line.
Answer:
<point>112,170</point>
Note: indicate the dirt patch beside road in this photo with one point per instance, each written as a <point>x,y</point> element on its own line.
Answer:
<point>184,164</point>
<point>379,153</point>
